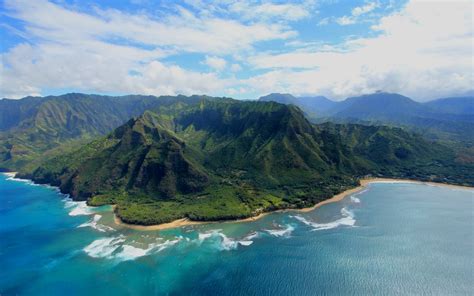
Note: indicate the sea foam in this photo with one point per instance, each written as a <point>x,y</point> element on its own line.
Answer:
<point>281,232</point>
<point>114,248</point>
<point>346,220</point>
<point>104,247</point>
<point>94,224</point>
<point>79,208</point>
<point>128,252</point>
<point>225,242</point>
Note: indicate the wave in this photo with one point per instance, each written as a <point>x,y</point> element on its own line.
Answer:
<point>346,220</point>
<point>281,232</point>
<point>225,242</point>
<point>128,252</point>
<point>347,213</point>
<point>203,236</point>
<point>104,247</point>
<point>113,248</point>
<point>230,244</point>
<point>355,199</point>
<point>252,235</point>
<point>80,208</point>
<point>93,224</point>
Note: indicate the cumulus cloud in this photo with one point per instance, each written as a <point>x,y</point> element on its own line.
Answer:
<point>98,51</point>
<point>235,68</point>
<point>215,63</point>
<point>290,12</point>
<point>424,51</point>
<point>356,13</point>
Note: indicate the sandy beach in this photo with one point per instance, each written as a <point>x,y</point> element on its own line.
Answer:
<point>182,222</point>
<point>186,222</point>
<point>363,184</point>
<point>10,174</point>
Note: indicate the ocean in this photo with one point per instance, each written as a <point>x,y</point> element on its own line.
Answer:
<point>389,239</point>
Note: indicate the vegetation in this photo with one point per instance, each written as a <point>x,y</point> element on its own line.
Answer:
<point>214,159</point>
<point>449,120</point>
<point>34,129</point>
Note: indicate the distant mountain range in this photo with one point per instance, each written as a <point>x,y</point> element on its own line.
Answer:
<point>443,119</point>
<point>204,158</point>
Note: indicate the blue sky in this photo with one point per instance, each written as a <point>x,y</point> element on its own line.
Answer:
<point>241,49</point>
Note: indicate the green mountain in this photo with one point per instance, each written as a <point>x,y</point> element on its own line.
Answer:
<point>225,159</point>
<point>316,106</point>
<point>450,119</point>
<point>34,128</point>
<point>455,105</point>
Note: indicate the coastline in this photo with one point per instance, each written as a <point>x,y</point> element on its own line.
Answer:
<point>336,198</point>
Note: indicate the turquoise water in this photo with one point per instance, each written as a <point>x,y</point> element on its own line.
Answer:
<point>391,239</point>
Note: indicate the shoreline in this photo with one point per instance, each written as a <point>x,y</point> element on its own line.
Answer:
<point>364,183</point>
<point>336,198</point>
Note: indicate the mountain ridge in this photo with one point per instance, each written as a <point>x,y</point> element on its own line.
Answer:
<point>226,159</point>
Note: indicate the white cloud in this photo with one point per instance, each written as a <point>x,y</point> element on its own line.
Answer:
<point>424,51</point>
<point>235,68</point>
<point>346,20</point>
<point>215,63</point>
<point>290,12</point>
<point>356,13</point>
<point>85,51</point>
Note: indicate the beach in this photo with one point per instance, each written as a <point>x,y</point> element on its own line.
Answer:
<point>336,198</point>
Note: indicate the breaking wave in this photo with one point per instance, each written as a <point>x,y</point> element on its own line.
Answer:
<point>355,199</point>
<point>104,247</point>
<point>79,208</point>
<point>114,248</point>
<point>94,224</point>
<point>128,252</point>
<point>346,220</point>
<point>226,243</point>
<point>281,232</point>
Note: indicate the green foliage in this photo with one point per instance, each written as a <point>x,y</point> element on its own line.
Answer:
<point>216,159</point>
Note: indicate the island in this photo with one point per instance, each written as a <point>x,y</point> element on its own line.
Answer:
<point>199,159</point>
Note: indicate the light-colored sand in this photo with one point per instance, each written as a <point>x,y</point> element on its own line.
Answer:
<point>181,222</point>
<point>187,222</point>
<point>10,174</point>
<point>364,182</point>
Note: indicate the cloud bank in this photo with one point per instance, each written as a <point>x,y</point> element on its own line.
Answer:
<point>423,50</point>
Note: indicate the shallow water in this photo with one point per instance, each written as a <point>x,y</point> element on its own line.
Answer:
<point>393,239</point>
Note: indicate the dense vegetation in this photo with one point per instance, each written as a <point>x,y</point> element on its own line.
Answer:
<point>36,128</point>
<point>449,120</point>
<point>213,159</point>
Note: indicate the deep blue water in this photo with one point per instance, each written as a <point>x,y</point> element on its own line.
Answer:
<point>391,239</point>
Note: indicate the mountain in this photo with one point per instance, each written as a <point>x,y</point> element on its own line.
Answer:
<point>225,159</point>
<point>378,107</point>
<point>449,119</point>
<point>313,106</point>
<point>456,105</point>
<point>33,127</point>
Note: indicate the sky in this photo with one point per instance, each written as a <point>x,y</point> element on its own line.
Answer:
<point>240,49</point>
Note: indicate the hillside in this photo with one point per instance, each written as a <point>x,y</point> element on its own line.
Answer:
<point>313,106</point>
<point>227,159</point>
<point>448,120</point>
<point>32,129</point>
<point>455,105</point>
